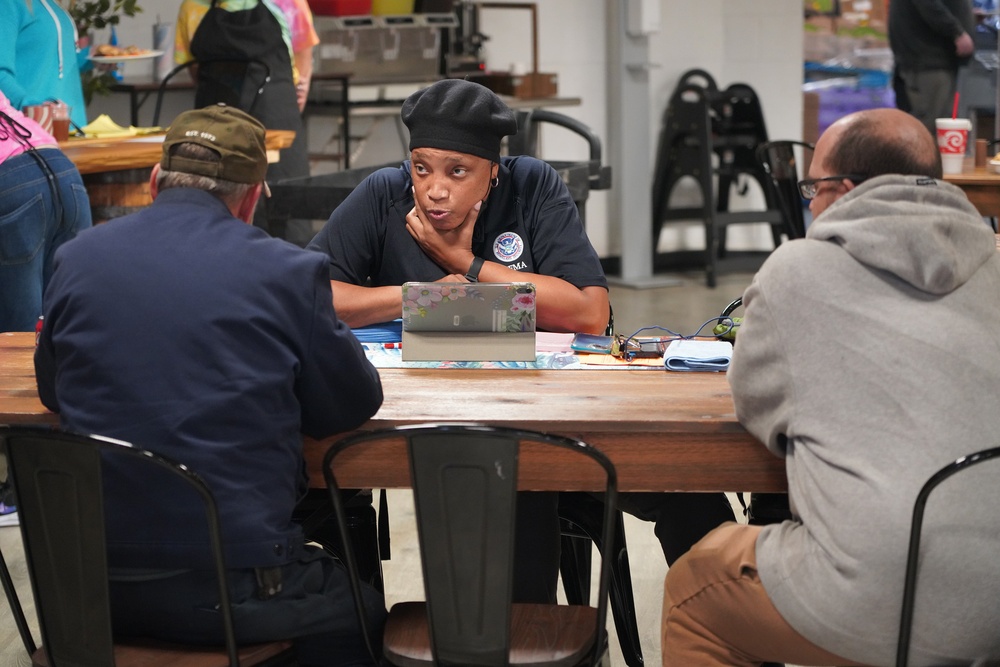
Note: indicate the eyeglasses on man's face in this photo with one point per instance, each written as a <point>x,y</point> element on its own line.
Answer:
<point>809,188</point>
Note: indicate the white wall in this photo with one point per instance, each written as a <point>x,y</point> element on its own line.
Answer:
<point>758,42</point>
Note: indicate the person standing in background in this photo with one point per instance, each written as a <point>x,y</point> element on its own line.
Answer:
<point>43,204</point>
<point>39,59</point>
<point>930,39</point>
<point>261,30</point>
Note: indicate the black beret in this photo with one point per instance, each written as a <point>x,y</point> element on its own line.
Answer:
<point>458,115</point>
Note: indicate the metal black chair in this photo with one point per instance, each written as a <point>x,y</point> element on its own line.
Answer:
<point>709,136</point>
<point>777,159</point>
<point>580,517</point>
<point>465,483</point>
<point>913,551</point>
<point>58,480</point>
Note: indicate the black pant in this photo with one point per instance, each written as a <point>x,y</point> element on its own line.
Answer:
<point>315,607</point>
<point>536,541</point>
<point>680,519</point>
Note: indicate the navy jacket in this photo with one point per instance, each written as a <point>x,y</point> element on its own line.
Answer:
<point>188,332</point>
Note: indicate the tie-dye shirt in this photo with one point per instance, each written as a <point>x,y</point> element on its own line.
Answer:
<point>294,17</point>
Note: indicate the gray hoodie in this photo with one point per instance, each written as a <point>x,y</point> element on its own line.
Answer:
<point>869,358</point>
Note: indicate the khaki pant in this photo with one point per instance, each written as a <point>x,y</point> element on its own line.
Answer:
<point>716,612</point>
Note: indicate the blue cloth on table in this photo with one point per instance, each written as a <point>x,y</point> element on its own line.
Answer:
<point>383,332</point>
<point>698,355</point>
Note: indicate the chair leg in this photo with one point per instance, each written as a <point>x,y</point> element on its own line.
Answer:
<point>575,563</point>
<point>15,607</point>
<point>581,525</point>
<point>623,603</point>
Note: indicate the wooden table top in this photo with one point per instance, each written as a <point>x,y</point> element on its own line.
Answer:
<point>974,176</point>
<point>93,156</point>
<point>981,186</point>
<point>664,431</point>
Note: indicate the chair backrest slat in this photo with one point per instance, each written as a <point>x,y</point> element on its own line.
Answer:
<point>62,519</point>
<point>465,490</point>
<point>465,481</point>
<point>913,551</point>
<point>58,479</point>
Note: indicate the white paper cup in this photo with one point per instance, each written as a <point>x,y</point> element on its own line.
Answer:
<point>952,139</point>
<point>41,114</point>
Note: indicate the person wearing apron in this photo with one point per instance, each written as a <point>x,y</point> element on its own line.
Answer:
<point>254,34</point>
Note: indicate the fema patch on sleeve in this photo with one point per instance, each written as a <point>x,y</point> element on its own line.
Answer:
<point>508,247</point>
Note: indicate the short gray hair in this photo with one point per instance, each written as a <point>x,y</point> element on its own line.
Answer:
<point>228,191</point>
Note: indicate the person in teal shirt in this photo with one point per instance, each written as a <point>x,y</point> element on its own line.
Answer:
<point>39,59</point>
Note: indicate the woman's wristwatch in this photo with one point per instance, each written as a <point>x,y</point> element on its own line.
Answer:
<point>472,275</point>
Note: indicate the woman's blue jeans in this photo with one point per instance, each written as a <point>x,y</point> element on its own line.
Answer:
<point>32,227</point>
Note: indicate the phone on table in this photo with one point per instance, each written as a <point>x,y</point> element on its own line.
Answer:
<point>649,348</point>
<point>592,343</point>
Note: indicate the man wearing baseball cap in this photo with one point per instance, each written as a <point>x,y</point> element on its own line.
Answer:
<point>184,330</point>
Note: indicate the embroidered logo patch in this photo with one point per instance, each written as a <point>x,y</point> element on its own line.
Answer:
<point>508,247</point>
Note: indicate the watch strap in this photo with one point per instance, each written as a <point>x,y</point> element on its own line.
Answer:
<point>472,275</point>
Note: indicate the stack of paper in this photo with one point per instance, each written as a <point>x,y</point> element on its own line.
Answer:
<point>103,127</point>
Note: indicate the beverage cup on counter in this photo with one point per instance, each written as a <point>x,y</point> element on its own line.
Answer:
<point>980,154</point>
<point>41,114</point>
<point>952,139</point>
<point>163,40</point>
<point>60,121</point>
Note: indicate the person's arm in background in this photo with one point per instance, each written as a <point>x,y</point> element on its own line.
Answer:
<point>83,46</point>
<point>189,16</point>
<point>304,63</point>
<point>938,17</point>
<point>304,38</point>
<point>964,46</point>
<point>11,16</point>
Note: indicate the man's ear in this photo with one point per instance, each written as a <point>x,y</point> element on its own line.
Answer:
<point>849,184</point>
<point>249,204</point>
<point>153,190</point>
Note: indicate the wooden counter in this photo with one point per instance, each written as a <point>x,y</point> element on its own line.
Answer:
<point>982,187</point>
<point>93,156</point>
<point>116,170</point>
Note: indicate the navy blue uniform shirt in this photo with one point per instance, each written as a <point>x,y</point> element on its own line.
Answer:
<point>529,223</point>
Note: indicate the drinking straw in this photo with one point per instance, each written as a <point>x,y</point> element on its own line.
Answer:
<point>954,107</point>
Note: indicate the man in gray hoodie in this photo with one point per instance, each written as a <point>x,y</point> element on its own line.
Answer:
<point>869,357</point>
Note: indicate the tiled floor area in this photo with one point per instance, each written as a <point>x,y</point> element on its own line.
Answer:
<point>683,309</point>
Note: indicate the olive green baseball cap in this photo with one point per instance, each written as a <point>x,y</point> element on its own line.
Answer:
<point>236,136</point>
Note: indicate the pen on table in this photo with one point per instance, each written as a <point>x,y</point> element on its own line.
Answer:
<point>392,346</point>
